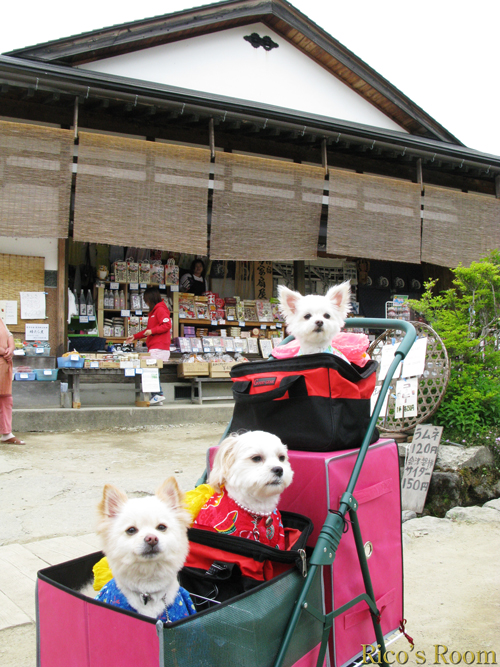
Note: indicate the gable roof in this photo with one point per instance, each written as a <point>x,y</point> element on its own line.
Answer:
<point>278,15</point>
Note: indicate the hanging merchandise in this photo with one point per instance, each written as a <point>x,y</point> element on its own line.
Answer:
<point>157,273</point>
<point>90,304</point>
<point>83,304</point>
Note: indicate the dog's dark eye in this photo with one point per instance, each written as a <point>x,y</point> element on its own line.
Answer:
<point>256,459</point>
<point>282,458</point>
<point>131,531</point>
<point>161,527</point>
<point>326,316</point>
<point>308,316</point>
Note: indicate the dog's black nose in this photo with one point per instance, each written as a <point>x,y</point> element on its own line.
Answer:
<point>152,540</point>
<point>319,323</point>
<point>278,471</point>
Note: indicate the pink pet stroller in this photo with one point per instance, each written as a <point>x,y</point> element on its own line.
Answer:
<point>340,592</point>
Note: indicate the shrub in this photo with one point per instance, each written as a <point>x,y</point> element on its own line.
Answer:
<point>467,317</point>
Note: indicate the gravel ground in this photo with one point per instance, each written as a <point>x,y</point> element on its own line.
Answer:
<point>51,486</point>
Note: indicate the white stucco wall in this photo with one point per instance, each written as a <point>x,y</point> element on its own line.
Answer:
<point>32,248</point>
<point>224,63</point>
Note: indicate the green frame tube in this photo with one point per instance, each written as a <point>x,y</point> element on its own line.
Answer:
<point>332,530</point>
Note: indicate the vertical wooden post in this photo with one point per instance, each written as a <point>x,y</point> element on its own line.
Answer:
<point>299,276</point>
<point>62,296</point>
<point>497,187</point>
<point>420,178</point>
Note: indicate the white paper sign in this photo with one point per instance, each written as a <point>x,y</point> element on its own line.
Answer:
<point>8,312</point>
<point>414,363</point>
<point>32,305</point>
<point>36,332</point>
<point>150,380</point>
<point>94,364</point>
<point>406,398</point>
<point>374,399</point>
<point>129,372</point>
<point>386,359</point>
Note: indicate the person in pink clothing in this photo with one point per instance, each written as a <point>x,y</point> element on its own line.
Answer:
<point>157,333</point>
<point>6,353</point>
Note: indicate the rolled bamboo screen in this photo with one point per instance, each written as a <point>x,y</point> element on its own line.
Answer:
<point>373,216</point>
<point>141,193</point>
<point>35,180</point>
<point>458,227</point>
<point>265,209</point>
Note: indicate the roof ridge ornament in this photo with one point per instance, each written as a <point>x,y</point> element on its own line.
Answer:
<point>256,40</point>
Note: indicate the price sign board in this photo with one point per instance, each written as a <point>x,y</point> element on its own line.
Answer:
<point>419,465</point>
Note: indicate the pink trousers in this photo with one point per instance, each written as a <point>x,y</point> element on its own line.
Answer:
<point>5,414</point>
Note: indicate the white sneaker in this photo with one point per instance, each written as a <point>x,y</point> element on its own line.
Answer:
<point>156,400</point>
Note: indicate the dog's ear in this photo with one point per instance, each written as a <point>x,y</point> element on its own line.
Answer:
<point>223,461</point>
<point>112,501</point>
<point>340,296</point>
<point>288,300</point>
<point>170,493</point>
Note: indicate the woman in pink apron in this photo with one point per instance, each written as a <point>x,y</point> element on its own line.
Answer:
<point>6,352</point>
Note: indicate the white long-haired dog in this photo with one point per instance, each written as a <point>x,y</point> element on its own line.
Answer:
<point>145,541</point>
<point>314,319</point>
<point>254,469</point>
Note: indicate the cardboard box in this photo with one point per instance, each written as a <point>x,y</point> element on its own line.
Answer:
<point>110,364</point>
<point>219,369</point>
<point>151,363</point>
<point>91,363</point>
<point>193,369</point>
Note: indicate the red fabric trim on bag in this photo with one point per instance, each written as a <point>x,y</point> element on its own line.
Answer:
<point>319,382</point>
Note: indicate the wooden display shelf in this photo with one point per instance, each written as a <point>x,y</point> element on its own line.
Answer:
<point>229,323</point>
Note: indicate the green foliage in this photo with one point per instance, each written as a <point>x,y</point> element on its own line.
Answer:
<point>467,317</point>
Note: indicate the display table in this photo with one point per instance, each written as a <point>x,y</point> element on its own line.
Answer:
<point>198,382</point>
<point>74,375</point>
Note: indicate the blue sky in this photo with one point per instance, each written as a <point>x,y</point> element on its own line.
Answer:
<point>441,53</point>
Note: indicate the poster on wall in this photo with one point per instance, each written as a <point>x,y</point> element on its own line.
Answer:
<point>36,332</point>
<point>32,305</point>
<point>8,312</point>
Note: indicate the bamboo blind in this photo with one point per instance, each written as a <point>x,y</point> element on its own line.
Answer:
<point>141,193</point>
<point>20,273</point>
<point>373,216</point>
<point>35,180</point>
<point>265,209</point>
<point>458,227</point>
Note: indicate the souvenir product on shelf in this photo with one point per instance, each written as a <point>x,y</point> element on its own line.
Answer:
<point>264,311</point>
<point>132,271</point>
<point>208,343</point>
<point>135,301</point>
<point>228,344</point>
<point>134,325</point>
<point>186,306</point>
<point>275,309</point>
<point>240,309</point>
<point>144,272</point>
<point>120,272</point>
<point>171,272</point>
<point>266,347</point>
<point>241,345</point>
<point>201,308</point>
<point>230,306</point>
<point>157,273</point>
<point>196,344</point>
<point>253,346</point>
<point>250,311</point>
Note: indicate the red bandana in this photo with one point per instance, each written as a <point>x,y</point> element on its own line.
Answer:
<point>220,514</point>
